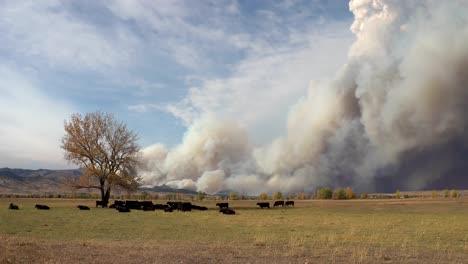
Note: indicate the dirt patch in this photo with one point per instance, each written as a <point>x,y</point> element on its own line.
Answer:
<point>18,250</point>
<point>23,250</point>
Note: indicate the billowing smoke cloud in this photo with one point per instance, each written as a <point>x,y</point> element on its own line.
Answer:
<point>394,116</point>
<point>212,150</point>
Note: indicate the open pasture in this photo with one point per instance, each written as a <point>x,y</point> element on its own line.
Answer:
<point>317,231</point>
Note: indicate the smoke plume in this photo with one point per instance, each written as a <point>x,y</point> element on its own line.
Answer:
<point>394,116</point>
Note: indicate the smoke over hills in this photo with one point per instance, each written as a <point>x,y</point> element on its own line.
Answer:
<point>394,116</point>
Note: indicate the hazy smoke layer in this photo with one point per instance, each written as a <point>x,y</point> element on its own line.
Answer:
<point>394,116</point>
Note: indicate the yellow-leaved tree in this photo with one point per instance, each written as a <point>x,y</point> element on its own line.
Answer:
<point>105,149</point>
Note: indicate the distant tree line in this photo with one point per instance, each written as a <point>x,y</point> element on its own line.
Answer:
<point>322,193</point>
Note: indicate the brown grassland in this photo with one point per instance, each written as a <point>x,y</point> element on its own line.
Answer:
<point>317,231</point>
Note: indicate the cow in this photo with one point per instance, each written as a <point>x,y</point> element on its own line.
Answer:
<point>42,207</point>
<point>117,203</point>
<point>101,203</point>
<point>123,209</point>
<point>175,205</point>
<point>186,207</point>
<point>278,203</point>
<point>168,210</point>
<point>201,208</point>
<point>288,203</point>
<point>133,205</point>
<point>227,211</point>
<point>264,205</point>
<point>222,205</point>
<point>146,206</point>
<point>83,207</point>
<point>160,206</point>
<point>13,207</point>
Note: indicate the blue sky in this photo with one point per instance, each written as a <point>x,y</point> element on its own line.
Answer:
<point>158,66</point>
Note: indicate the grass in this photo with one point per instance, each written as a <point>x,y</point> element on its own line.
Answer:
<point>356,231</point>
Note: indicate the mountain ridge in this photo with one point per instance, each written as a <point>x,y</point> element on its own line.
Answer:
<point>25,181</point>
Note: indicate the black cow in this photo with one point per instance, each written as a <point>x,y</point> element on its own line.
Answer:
<point>146,206</point>
<point>227,211</point>
<point>117,203</point>
<point>133,205</point>
<point>264,205</point>
<point>222,205</point>
<point>288,203</point>
<point>278,203</point>
<point>13,207</point>
<point>186,207</point>
<point>201,208</point>
<point>123,209</point>
<point>83,207</point>
<point>101,203</point>
<point>160,206</point>
<point>172,204</point>
<point>175,205</point>
<point>42,207</point>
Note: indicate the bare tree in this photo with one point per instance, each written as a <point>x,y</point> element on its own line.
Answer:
<point>105,149</point>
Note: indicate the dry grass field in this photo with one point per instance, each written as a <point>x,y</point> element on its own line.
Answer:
<point>354,231</point>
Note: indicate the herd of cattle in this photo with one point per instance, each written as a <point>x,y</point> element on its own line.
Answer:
<point>127,206</point>
<point>277,203</point>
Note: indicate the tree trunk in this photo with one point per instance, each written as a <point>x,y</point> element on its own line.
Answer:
<point>102,192</point>
<point>106,196</point>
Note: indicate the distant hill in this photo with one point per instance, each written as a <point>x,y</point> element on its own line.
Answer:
<point>21,181</point>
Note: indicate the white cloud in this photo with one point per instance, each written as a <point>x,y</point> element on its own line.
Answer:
<point>262,88</point>
<point>198,35</point>
<point>144,107</point>
<point>46,31</point>
<point>31,124</point>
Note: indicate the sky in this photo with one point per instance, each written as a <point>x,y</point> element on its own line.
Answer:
<point>158,66</point>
